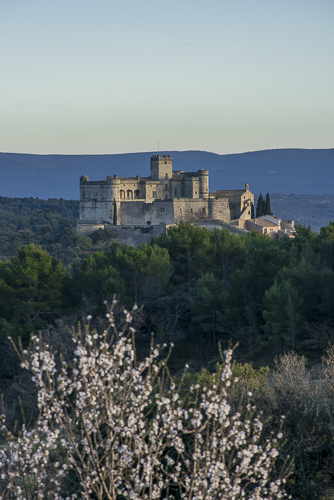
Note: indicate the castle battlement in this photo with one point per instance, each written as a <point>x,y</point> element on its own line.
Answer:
<point>165,197</point>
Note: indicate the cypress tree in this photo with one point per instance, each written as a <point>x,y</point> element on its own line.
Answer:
<point>259,206</point>
<point>252,211</point>
<point>267,207</point>
<point>115,213</point>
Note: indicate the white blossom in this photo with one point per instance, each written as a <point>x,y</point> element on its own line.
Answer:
<point>125,432</point>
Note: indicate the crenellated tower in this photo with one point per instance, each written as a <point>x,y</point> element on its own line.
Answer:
<point>161,167</point>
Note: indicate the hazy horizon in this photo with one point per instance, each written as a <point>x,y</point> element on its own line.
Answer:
<point>120,77</point>
<point>162,152</point>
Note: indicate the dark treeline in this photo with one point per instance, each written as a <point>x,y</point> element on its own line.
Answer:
<point>50,224</point>
<point>269,295</point>
<point>27,206</point>
<point>197,288</point>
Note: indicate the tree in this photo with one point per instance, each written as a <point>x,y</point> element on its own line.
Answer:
<point>146,270</point>
<point>204,306</point>
<point>123,429</point>
<point>103,237</point>
<point>30,289</point>
<point>282,304</point>
<point>93,280</point>
<point>260,206</point>
<point>188,246</point>
<point>327,240</point>
<point>267,207</point>
<point>228,252</point>
<point>247,285</point>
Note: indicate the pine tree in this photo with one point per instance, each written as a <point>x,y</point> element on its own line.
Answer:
<point>259,206</point>
<point>267,207</point>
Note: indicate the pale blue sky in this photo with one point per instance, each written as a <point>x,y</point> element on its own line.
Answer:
<point>226,76</point>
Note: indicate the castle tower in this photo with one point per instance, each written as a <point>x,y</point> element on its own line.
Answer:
<point>161,167</point>
<point>203,183</point>
<point>114,186</point>
<point>114,200</point>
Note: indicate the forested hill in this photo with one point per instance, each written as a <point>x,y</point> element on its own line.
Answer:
<point>307,171</point>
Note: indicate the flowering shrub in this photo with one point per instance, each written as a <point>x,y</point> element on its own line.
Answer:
<point>120,427</point>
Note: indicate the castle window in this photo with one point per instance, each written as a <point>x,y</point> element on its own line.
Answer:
<point>137,193</point>
<point>248,212</point>
<point>166,187</point>
<point>129,194</point>
<point>154,194</point>
<point>203,210</point>
<point>191,210</point>
<point>165,163</point>
<point>166,176</point>
<point>122,194</point>
<point>195,192</point>
<point>162,210</point>
<point>180,210</point>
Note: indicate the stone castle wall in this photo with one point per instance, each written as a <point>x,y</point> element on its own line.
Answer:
<point>136,235</point>
<point>166,197</point>
<point>127,235</point>
<point>173,211</point>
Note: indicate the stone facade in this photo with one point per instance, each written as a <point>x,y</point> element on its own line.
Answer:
<point>166,197</point>
<point>273,226</point>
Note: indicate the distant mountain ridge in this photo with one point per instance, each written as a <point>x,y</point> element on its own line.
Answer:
<point>309,171</point>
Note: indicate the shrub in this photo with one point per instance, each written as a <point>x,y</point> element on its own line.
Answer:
<point>121,428</point>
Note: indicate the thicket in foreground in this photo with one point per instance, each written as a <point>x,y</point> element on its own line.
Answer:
<point>111,427</point>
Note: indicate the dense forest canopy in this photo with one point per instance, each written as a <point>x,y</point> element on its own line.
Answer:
<point>195,287</point>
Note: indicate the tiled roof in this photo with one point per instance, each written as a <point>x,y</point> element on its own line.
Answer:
<point>228,194</point>
<point>265,223</point>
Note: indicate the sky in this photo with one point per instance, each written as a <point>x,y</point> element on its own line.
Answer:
<point>118,76</point>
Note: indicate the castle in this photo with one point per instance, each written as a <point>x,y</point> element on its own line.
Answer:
<point>165,197</point>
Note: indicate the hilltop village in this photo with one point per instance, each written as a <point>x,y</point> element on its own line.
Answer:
<point>167,198</point>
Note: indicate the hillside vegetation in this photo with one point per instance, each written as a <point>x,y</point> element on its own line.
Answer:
<point>196,288</point>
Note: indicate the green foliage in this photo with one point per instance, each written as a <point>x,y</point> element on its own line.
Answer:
<point>245,378</point>
<point>227,251</point>
<point>260,206</point>
<point>30,289</point>
<point>188,246</point>
<point>145,270</point>
<point>267,207</point>
<point>263,206</point>
<point>17,207</point>
<point>282,312</point>
<point>92,281</point>
<point>204,307</point>
<point>102,237</point>
<point>136,275</point>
